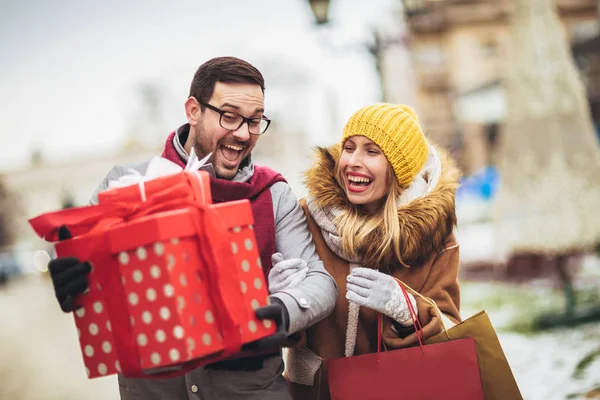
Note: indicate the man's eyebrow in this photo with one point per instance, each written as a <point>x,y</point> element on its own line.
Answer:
<point>231,106</point>
<point>238,109</point>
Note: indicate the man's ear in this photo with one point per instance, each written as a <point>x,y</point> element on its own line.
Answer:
<point>192,111</point>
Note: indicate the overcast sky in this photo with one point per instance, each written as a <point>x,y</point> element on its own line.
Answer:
<point>69,68</point>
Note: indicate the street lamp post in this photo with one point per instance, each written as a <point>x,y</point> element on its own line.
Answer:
<point>320,9</point>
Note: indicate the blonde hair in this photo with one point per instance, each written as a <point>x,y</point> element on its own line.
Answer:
<point>373,238</point>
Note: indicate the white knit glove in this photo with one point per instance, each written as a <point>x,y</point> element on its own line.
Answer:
<point>286,273</point>
<point>380,292</point>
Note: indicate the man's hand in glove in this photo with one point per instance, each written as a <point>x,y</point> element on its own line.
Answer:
<point>286,273</point>
<point>277,312</point>
<point>380,292</point>
<point>69,276</point>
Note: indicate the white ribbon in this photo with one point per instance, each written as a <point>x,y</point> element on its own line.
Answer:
<point>157,168</point>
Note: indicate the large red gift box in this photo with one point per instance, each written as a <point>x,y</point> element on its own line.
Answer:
<point>171,289</point>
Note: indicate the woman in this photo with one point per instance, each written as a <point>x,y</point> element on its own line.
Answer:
<point>380,205</point>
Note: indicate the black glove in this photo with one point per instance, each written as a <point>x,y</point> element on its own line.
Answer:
<point>277,312</point>
<point>69,276</point>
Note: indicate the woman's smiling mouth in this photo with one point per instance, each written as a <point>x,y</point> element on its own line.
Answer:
<point>358,183</point>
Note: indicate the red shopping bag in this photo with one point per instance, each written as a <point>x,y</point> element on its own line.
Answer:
<point>448,371</point>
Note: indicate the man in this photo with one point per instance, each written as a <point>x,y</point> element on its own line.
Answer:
<point>225,113</point>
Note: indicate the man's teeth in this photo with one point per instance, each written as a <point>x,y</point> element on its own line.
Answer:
<point>232,147</point>
<point>358,179</point>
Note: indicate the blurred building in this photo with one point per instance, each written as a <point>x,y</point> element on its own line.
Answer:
<point>44,187</point>
<point>459,51</point>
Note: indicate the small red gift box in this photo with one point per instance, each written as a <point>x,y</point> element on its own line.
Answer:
<point>169,289</point>
<point>198,181</point>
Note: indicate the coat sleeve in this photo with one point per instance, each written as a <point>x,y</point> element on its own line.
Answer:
<point>441,285</point>
<point>314,298</point>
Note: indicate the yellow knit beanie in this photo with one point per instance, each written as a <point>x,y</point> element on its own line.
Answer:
<point>396,130</point>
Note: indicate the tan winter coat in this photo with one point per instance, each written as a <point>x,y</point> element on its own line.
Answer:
<point>430,251</point>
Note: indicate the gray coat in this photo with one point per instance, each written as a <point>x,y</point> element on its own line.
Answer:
<point>307,303</point>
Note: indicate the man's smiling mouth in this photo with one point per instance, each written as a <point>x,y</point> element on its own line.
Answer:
<point>231,152</point>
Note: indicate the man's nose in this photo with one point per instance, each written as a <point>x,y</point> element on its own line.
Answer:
<point>242,133</point>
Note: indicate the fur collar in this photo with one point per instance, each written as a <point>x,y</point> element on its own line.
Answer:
<point>425,223</point>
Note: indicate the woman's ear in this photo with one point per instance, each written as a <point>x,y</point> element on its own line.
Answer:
<point>427,176</point>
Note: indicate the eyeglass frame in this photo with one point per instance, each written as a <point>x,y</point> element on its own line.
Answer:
<point>244,119</point>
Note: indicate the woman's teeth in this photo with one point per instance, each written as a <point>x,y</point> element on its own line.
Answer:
<point>358,179</point>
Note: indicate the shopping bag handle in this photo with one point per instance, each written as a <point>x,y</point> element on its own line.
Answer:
<point>413,317</point>
<point>427,300</point>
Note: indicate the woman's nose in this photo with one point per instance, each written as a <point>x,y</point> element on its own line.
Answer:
<point>355,158</point>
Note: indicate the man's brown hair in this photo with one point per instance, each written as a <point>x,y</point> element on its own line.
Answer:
<point>223,69</point>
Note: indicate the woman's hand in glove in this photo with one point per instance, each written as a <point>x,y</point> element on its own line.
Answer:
<point>380,292</point>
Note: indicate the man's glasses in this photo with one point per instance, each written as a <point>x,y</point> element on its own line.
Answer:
<point>232,121</point>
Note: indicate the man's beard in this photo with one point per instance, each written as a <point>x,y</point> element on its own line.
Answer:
<point>203,147</point>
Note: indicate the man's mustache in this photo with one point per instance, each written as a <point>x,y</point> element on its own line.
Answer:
<point>244,145</point>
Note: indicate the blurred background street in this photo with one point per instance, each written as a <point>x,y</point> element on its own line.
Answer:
<point>510,87</point>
